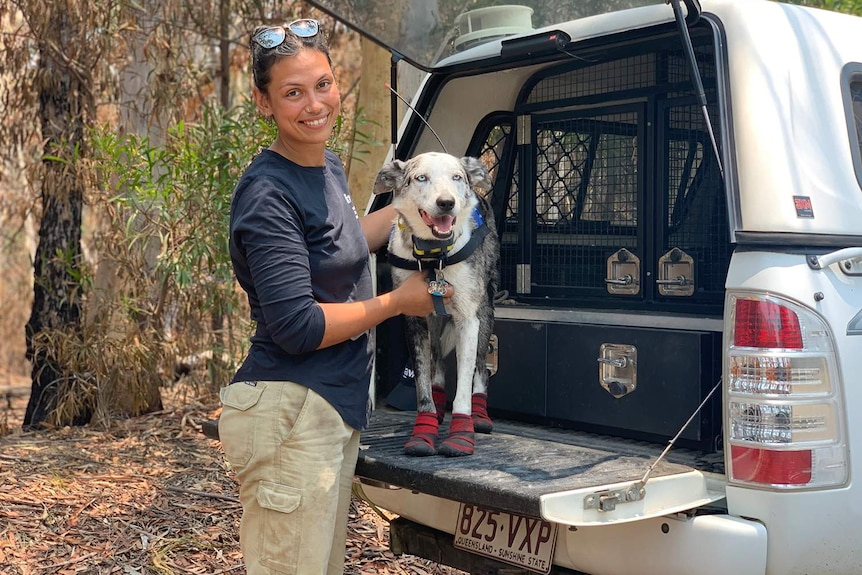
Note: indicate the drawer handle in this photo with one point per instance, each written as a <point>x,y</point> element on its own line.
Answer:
<point>626,280</point>
<point>619,362</point>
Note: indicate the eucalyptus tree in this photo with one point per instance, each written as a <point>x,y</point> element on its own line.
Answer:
<point>76,70</point>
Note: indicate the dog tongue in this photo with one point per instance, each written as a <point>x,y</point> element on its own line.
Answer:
<point>443,223</point>
<point>439,224</point>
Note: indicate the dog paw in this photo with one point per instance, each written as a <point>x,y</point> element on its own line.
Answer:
<point>482,425</point>
<point>458,445</point>
<point>419,447</point>
<point>421,442</point>
<point>461,439</point>
<point>481,422</point>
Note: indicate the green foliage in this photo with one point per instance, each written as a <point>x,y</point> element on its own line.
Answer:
<point>165,233</point>
<point>167,230</point>
<point>353,143</point>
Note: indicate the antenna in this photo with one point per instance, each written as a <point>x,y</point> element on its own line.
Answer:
<point>424,121</point>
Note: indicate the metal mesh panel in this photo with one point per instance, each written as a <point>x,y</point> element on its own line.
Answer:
<point>586,196</point>
<point>588,190</point>
<point>491,152</point>
<point>625,74</point>
<point>587,170</point>
<point>695,201</point>
<point>696,215</point>
<point>679,70</point>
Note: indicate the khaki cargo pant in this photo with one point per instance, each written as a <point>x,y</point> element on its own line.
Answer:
<point>294,458</point>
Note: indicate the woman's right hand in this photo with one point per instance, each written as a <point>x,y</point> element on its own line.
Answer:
<point>413,296</point>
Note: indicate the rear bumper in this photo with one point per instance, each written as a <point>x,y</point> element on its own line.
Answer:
<point>672,545</point>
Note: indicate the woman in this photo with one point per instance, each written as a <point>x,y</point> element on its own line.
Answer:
<point>292,414</point>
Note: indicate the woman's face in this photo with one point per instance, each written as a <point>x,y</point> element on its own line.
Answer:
<point>302,98</point>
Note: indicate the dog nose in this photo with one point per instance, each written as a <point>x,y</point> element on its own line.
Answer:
<point>445,204</point>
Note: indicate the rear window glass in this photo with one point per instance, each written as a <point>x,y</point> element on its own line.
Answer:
<point>852,87</point>
<point>856,103</point>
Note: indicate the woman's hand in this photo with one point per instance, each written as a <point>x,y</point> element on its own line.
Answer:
<point>346,320</point>
<point>413,297</point>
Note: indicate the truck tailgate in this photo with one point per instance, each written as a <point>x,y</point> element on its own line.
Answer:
<point>519,464</point>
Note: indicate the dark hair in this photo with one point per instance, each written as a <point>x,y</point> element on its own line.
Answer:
<point>263,59</point>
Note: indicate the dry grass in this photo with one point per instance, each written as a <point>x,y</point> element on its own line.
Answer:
<point>150,495</point>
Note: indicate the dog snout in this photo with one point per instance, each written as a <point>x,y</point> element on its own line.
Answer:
<point>446,204</point>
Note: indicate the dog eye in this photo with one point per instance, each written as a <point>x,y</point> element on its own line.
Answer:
<point>457,177</point>
<point>421,178</point>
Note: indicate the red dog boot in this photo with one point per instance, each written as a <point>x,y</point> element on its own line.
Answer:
<point>481,422</point>
<point>424,436</point>
<point>438,394</point>
<point>460,440</point>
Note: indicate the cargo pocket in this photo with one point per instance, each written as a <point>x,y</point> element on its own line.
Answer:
<point>236,424</point>
<point>281,524</point>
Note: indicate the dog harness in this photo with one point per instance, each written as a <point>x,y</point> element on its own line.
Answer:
<point>437,254</point>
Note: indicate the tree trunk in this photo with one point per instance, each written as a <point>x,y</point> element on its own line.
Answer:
<point>374,102</point>
<point>136,115</point>
<point>57,291</point>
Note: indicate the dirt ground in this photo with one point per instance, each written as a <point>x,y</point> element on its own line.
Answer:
<point>149,495</point>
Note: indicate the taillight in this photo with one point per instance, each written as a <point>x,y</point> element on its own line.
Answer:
<point>761,323</point>
<point>784,425</point>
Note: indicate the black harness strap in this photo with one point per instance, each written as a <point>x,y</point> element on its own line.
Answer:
<point>433,254</point>
<point>440,259</point>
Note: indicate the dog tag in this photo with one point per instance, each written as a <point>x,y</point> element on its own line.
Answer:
<point>438,286</point>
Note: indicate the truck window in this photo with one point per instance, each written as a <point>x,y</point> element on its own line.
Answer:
<point>852,87</point>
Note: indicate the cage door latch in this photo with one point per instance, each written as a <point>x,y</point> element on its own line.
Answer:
<point>675,274</point>
<point>623,273</point>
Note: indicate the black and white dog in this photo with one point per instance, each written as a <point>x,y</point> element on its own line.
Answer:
<point>446,227</point>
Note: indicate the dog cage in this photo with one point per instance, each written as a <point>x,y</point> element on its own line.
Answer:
<point>607,192</point>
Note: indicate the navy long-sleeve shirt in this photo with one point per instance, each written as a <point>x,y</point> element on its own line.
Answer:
<point>295,240</point>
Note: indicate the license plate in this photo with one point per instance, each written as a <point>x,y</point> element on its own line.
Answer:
<point>523,541</point>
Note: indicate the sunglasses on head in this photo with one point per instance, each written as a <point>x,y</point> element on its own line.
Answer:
<point>272,36</point>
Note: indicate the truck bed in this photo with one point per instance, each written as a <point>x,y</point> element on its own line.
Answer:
<point>516,464</point>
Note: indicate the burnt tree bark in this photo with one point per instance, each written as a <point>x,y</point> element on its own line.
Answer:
<point>57,290</point>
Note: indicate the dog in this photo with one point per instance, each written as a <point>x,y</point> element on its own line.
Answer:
<point>443,225</point>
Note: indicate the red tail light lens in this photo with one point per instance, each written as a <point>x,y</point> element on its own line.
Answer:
<point>771,467</point>
<point>766,324</point>
<point>784,427</point>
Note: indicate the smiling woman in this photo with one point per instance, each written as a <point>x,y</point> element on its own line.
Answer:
<point>292,414</point>
<point>298,92</point>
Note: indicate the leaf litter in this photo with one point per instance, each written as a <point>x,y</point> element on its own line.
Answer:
<point>149,495</point>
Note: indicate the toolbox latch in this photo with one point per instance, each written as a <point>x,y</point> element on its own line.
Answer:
<point>618,368</point>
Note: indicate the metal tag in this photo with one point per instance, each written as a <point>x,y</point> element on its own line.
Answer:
<point>438,286</point>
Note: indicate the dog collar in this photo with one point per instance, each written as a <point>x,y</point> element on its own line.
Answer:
<point>431,249</point>
<point>437,254</point>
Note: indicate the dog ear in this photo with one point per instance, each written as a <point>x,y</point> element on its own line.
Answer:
<point>390,178</point>
<point>477,173</point>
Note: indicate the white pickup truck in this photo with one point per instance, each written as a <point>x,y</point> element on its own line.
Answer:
<point>678,357</point>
